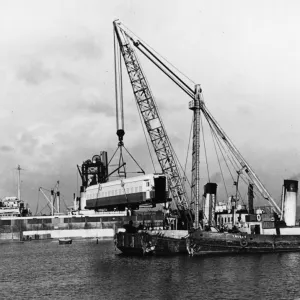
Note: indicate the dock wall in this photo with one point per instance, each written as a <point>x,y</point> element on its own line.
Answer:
<point>39,227</point>
<point>72,233</point>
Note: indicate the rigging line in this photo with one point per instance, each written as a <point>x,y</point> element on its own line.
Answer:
<point>258,195</point>
<point>213,138</point>
<point>47,205</point>
<point>229,158</point>
<point>205,153</point>
<point>237,164</point>
<point>169,73</point>
<point>240,196</point>
<point>77,183</point>
<point>181,168</point>
<point>37,207</point>
<point>121,161</point>
<point>260,184</point>
<point>121,88</point>
<point>187,153</point>
<point>113,155</point>
<point>233,179</point>
<point>142,123</point>
<point>115,65</point>
<point>63,198</point>
<point>134,160</point>
<point>176,157</point>
<point>177,80</point>
<point>153,50</point>
<point>218,143</point>
<point>159,116</point>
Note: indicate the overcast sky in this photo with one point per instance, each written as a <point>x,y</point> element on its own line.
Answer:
<point>57,83</point>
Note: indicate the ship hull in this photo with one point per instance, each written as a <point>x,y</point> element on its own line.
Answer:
<point>78,226</point>
<point>202,242</point>
<point>145,243</point>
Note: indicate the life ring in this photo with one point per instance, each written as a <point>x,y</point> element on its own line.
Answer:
<point>258,218</point>
<point>244,243</point>
<point>272,219</point>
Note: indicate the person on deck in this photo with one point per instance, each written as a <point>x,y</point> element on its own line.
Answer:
<point>130,228</point>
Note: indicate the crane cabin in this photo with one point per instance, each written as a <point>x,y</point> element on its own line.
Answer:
<point>131,192</point>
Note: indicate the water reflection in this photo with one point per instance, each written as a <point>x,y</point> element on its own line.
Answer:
<point>86,270</point>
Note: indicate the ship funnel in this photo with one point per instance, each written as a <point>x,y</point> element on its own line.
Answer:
<point>58,201</point>
<point>210,194</point>
<point>250,198</point>
<point>52,202</point>
<point>290,191</point>
<point>82,204</point>
<point>74,202</point>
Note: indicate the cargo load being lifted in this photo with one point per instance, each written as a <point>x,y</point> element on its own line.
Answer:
<point>128,193</point>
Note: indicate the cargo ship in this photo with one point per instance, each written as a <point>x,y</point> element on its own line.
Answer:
<point>238,231</point>
<point>207,230</point>
<point>101,209</point>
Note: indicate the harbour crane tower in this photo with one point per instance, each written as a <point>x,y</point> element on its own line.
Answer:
<point>125,44</point>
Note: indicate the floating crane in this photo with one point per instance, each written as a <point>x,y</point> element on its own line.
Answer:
<point>151,117</point>
<point>128,42</point>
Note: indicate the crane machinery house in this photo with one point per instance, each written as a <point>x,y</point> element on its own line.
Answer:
<point>128,192</point>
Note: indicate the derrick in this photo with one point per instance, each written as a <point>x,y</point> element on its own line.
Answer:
<point>154,125</point>
<point>128,42</point>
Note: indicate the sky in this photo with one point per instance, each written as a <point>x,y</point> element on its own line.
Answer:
<point>57,97</point>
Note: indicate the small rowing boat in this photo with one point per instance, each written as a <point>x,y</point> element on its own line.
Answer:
<point>64,241</point>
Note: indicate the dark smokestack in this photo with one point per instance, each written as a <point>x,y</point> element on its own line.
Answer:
<point>250,198</point>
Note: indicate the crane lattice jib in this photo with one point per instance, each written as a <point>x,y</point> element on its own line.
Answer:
<point>154,125</point>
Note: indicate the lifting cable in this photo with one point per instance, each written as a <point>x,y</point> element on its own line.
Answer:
<point>233,179</point>
<point>219,145</point>
<point>142,123</point>
<point>134,160</point>
<point>37,207</point>
<point>162,123</point>
<point>152,50</point>
<point>233,159</point>
<point>203,138</point>
<point>189,143</point>
<point>213,138</point>
<point>63,198</point>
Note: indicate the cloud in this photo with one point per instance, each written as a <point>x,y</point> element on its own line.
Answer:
<point>6,148</point>
<point>87,47</point>
<point>216,177</point>
<point>33,72</point>
<point>78,45</point>
<point>244,110</point>
<point>295,177</point>
<point>93,101</point>
<point>71,77</point>
<point>27,143</point>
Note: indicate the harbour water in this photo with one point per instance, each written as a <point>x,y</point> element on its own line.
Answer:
<point>87,270</point>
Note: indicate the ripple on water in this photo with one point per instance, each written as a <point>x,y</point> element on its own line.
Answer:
<point>86,270</point>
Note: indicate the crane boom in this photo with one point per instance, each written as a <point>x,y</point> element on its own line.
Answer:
<point>49,201</point>
<point>154,126</point>
<point>141,87</point>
